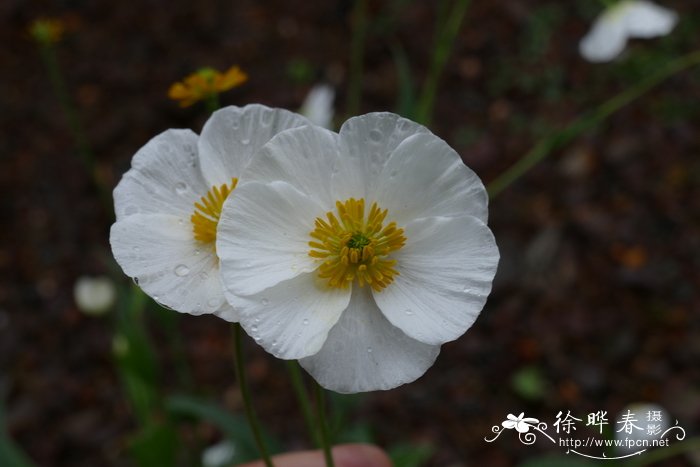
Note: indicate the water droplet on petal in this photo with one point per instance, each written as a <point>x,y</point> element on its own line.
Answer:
<point>254,328</point>
<point>265,301</point>
<point>305,322</point>
<point>214,303</point>
<point>181,270</point>
<point>369,349</point>
<point>409,312</point>
<point>245,142</point>
<point>137,249</point>
<point>257,320</point>
<point>180,188</point>
<point>196,252</point>
<point>274,343</point>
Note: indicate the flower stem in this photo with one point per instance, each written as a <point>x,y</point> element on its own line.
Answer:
<point>212,102</point>
<point>445,36</point>
<point>303,398</point>
<point>245,393</point>
<point>48,56</point>
<point>554,141</point>
<point>323,424</point>
<point>357,52</point>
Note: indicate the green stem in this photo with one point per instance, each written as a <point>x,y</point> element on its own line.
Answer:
<point>303,398</point>
<point>445,36</point>
<point>660,454</point>
<point>323,424</point>
<point>245,393</point>
<point>558,139</point>
<point>212,102</point>
<point>48,55</point>
<point>357,52</point>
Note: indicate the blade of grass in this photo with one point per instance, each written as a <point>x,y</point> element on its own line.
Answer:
<point>446,33</point>
<point>550,143</point>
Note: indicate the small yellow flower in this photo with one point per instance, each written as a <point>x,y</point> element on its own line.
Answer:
<point>204,84</point>
<point>47,30</point>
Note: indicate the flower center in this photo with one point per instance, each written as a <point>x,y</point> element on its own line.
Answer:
<point>353,247</point>
<point>206,213</point>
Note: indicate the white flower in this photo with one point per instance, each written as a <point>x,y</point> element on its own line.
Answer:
<point>625,20</point>
<point>219,455</point>
<point>318,105</point>
<point>94,295</point>
<point>359,253</point>
<point>521,423</point>
<point>168,205</point>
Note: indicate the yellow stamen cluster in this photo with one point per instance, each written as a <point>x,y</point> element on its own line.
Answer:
<point>354,248</point>
<point>205,83</point>
<point>207,212</point>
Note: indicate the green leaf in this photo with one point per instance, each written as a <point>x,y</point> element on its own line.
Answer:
<point>235,428</point>
<point>529,383</point>
<point>11,455</point>
<point>410,455</point>
<point>155,444</point>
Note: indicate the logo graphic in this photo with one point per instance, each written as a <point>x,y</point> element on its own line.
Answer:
<point>633,434</point>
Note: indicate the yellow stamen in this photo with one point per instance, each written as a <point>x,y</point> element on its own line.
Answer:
<point>352,247</point>
<point>207,212</point>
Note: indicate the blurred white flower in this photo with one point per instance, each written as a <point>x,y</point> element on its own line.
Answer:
<point>219,455</point>
<point>318,105</point>
<point>638,423</point>
<point>94,295</point>
<point>168,205</point>
<point>628,19</point>
<point>359,253</point>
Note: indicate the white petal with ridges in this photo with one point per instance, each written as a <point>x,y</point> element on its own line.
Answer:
<point>366,142</point>
<point>164,178</point>
<point>160,253</point>
<point>364,352</point>
<point>263,235</point>
<point>424,177</point>
<point>291,320</point>
<point>233,135</point>
<point>302,157</point>
<point>445,274</point>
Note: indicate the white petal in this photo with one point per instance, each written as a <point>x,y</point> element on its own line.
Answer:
<point>645,19</point>
<point>233,135</point>
<point>366,142</point>
<point>263,236</point>
<point>509,424</point>
<point>605,41</point>
<point>160,253</point>
<point>303,157</point>
<point>291,320</point>
<point>318,105</point>
<point>164,177</point>
<point>445,274</point>
<point>424,177</point>
<point>364,352</point>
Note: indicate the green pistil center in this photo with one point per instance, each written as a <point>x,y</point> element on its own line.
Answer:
<point>358,241</point>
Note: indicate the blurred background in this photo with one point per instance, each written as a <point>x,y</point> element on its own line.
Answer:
<point>595,304</point>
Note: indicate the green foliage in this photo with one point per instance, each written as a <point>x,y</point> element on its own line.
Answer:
<point>155,444</point>
<point>529,383</point>
<point>410,455</point>
<point>235,428</point>
<point>300,71</point>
